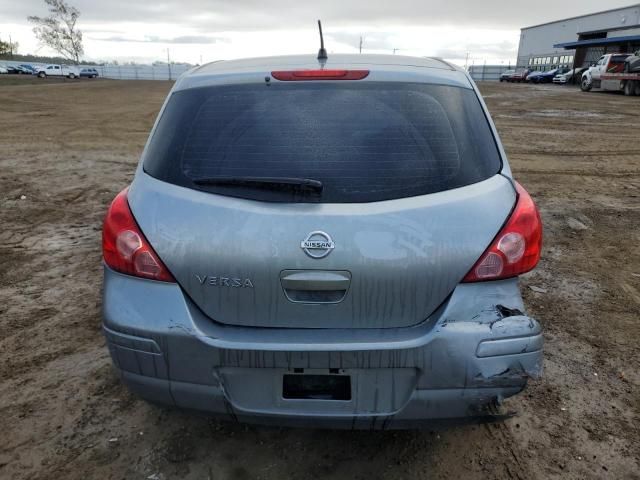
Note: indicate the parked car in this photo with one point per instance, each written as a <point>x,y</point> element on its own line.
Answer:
<point>58,71</point>
<point>27,69</point>
<point>89,73</point>
<point>519,75</point>
<point>355,270</point>
<point>545,77</point>
<point>3,69</point>
<point>506,75</point>
<point>13,69</point>
<point>566,77</point>
<point>531,76</point>
<point>632,63</point>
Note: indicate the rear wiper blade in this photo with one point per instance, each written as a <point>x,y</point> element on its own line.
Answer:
<point>269,182</point>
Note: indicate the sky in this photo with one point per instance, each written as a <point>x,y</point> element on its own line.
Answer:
<point>197,31</point>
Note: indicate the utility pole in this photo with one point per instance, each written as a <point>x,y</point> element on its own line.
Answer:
<point>395,50</point>
<point>466,62</point>
<point>360,43</point>
<point>11,46</point>
<point>169,63</point>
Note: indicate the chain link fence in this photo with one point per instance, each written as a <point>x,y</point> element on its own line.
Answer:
<point>141,72</point>
<point>479,73</point>
<point>126,72</point>
<point>488,73</point>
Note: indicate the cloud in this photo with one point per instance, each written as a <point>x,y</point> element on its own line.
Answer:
<point>241,15</point>
<point>202,30</point>
<point>184,40</point>
<point>503,49</point>
<point>370,40</point>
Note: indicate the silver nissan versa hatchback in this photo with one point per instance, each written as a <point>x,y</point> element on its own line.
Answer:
<point>324,243</point>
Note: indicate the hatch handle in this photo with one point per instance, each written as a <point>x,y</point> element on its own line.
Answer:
<point>315,280</point>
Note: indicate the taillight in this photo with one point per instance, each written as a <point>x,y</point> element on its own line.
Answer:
<point>293,75</point>
<point>124,247</point>
<point>516,249</point>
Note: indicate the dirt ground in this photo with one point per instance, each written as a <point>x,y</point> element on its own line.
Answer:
<point>66,148</point>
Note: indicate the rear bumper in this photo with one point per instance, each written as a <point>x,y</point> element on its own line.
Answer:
<point>476,349</point>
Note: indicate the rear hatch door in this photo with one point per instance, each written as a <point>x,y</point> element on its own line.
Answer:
<point>242,262</point>
<point>410,199</point>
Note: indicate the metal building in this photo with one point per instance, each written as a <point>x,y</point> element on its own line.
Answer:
<point>579,41</point>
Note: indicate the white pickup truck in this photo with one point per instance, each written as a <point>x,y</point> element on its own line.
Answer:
<point>609,74</point>
<point>57,71</point>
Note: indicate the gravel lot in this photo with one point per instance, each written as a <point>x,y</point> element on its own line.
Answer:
<point>66,148</point>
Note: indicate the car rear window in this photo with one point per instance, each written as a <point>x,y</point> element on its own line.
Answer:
<point>365,141</point>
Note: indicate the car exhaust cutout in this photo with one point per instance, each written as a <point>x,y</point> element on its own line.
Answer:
<point>124,247</point>
<point>516,249</point>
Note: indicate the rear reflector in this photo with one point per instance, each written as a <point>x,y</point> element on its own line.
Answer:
<point>124,247</point>
<point>297,75</point>
<point>516,249</point>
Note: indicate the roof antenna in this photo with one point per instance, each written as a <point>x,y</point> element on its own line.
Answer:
<point>322,53</point>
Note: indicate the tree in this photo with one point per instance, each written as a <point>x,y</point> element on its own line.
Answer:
<point>58,30</point>
<point>8,47</point>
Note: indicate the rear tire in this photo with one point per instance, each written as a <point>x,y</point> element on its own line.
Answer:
<point>629,89</point>
<point>72,76</point>
<point>636,88</point>
<point>585,85</point>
